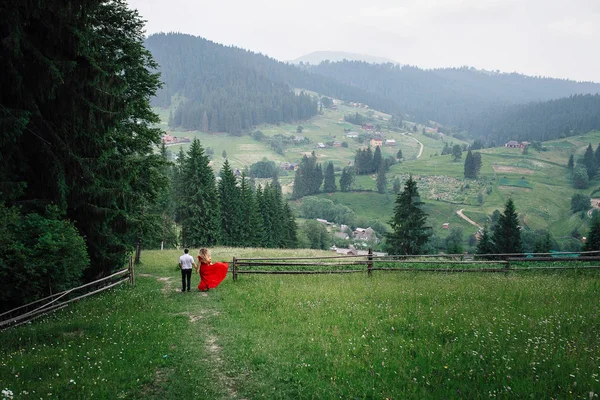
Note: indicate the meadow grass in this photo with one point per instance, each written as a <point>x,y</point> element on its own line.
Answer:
<point>394,335</point>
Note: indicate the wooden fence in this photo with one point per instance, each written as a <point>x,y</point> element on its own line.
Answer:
<point>57,301</point>
<point>423,263</point>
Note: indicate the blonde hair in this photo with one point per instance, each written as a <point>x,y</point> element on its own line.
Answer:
<point>204,255</point>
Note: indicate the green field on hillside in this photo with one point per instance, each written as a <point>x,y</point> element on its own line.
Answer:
<point>538,182</point>
<point>394,335</point>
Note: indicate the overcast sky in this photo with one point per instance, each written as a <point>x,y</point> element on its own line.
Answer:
<point>557,38</point>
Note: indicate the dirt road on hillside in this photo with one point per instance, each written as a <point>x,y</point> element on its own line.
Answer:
<point>421,149</point>
<point>469,220</point>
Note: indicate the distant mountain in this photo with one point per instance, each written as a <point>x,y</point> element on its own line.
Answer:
<point>230,89</point>
<point>451,96</point>
<point>539,121</point>
<point>317,57</point>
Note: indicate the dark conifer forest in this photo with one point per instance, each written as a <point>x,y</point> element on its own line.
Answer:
<point>539,121</point>
<point>453,96</point>
<point>227,89</point>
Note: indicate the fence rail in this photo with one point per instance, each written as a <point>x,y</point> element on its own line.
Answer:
<point>30,311</point>
<point>487,263</point>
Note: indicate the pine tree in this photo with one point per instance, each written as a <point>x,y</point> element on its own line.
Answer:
<point>592,242</point>
<point>377,160</point>
<point>317,179</point>
<point>571,162</point>
<point>477,163</point>
<point>399,155</point>
<point>200,219</point>
<point>507,235</point>
<point>329,185</point>
<point>468,172</point>
<point>589,160</point>
<point>381,180</point>
<point>346,180</point>
<point>271,210</point>
<point>290,228</point>
<point>485,244</point>
<point>368,161</point>
<point>410,233</point>
<point>308,177</point>
<point>251,220</point>
<point>229,205</point>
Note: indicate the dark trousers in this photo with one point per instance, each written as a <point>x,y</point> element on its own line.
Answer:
<point>186,274</point>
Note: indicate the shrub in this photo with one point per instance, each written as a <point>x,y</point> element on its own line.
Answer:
<point>39,255</point>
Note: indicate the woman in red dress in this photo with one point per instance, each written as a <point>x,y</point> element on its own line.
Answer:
<point>211,275</point>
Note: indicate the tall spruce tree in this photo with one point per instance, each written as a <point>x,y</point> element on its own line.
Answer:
<point>589,160</point>
<point>290,228</point>
<point>472,165</point>
<point>199,202</point>
<point>409,233</point>
<point>329,185</point>
<point>346,179</point>
<point>485,244</point>
<point>468,171</point>
<point>377,160</point>
<point>308,177</point>
<point>507,234</point>
<point>251,220</point>
<point>571,162</point>
<point>593,238</point>
<point>230,207</point>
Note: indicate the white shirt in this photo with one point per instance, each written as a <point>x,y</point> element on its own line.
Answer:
<point>186,261</point>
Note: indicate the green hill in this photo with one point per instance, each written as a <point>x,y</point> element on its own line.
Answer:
<point>538,182</point>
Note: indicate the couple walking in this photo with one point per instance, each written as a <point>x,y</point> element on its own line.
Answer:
<point>211,275</point>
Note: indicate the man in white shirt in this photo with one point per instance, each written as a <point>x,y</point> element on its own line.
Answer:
<point>186,262</point>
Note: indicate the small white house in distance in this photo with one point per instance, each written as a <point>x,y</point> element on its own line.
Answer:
<point>321,145</point>
<point>390,142</point>
<point>351,135</point>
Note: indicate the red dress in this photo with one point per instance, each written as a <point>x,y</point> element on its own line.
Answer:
<point>211,275</point>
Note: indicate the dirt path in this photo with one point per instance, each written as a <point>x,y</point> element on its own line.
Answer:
<point>213,349</point>
<point>421,149</point>
<point>469,220</point>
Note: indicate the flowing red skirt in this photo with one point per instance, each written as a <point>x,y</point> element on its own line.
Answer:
<point>211,275</point>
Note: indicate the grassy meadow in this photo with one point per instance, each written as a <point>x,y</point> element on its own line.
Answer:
<point>391,336</point>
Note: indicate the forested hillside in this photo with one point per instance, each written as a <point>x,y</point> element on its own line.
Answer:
<point>220,92</point>
<point>230,89</point>
<point>539,121</point>
<point>454,96</point>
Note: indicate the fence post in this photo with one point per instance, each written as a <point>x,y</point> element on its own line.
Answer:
<point>507,267</point>
<point>370,264</point>
<point>138,251</point>
<point>234,269</point>
<point>131,271</point>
